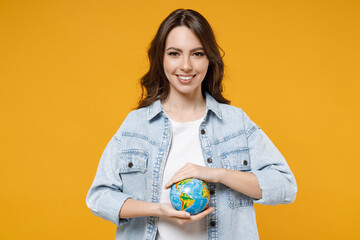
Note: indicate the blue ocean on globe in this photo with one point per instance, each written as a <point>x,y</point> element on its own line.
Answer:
<point>191,195</point>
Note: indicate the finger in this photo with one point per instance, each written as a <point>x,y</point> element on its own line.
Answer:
<point>202,214</point>
<point>181,214</point>
<point>175,180</point>
<point>170,212</point>
<point>179,176</point>
<point>184,221</point>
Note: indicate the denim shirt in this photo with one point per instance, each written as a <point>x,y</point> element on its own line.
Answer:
<point>133,162</point>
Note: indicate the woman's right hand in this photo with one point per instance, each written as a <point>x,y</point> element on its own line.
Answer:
<point>134,208</point>
<point>181,217</point>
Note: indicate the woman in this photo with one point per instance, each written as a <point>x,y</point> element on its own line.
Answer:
<point>185,128</point>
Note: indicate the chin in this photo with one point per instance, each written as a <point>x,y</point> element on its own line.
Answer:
<point>188,91</point>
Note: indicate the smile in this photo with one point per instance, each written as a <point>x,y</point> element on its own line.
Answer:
<point>186,78</point>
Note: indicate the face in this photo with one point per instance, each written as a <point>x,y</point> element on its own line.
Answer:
<point>185,62</point>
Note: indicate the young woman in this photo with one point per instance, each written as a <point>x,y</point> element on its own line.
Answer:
<point>185,128</point>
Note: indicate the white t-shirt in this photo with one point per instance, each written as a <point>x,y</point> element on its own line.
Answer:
<point>185,147</point>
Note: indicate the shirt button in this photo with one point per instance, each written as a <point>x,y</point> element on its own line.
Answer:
<point>212,192</point>
<point>203,131</point>
<point>212,224</point>
<point>130,165</point>
<point>245,162</point>
<point>209,160</point>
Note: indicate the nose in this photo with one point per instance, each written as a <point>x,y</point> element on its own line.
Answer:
<point>186,65</point>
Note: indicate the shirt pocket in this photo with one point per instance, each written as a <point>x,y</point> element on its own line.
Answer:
<point>132,170</point>
<point>239,160</point>
<point>133,160</point>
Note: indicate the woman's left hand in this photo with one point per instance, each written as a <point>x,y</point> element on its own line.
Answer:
<point>194,171</point>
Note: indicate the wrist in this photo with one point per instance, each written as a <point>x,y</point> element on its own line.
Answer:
<point>220,174</point>
<point>135,208</point>
<point>152,209</point>
<point>156,210</point>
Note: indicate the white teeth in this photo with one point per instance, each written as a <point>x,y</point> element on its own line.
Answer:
<point>186,78</point>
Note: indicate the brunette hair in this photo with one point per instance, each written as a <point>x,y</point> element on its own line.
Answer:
<point>155,84</point>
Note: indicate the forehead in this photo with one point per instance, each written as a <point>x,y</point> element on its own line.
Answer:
<point>182,37</point>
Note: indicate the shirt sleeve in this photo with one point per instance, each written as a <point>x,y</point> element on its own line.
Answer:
<point>275,178</point>
<point>105,197</point>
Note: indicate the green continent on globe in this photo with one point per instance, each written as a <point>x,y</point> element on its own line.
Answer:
<point>205,192</point>
<point>186,201</point>
<point>183,182</point>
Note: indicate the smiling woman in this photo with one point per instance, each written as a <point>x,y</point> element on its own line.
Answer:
<point>155,82</point>
<point>185,64</point>
<point>184,128</point>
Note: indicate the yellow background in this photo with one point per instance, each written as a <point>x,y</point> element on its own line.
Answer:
<point>69,74</point>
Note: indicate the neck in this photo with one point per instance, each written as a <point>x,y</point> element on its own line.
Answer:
<point>184,107</point>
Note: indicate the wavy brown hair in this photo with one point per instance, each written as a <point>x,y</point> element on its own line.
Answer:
<point>154,83</point>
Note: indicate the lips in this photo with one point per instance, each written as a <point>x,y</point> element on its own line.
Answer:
<point>185,78</point>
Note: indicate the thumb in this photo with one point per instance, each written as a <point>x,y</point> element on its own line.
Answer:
<point>181,214</point>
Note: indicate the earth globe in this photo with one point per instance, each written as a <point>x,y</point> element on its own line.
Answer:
<point>190,195</point>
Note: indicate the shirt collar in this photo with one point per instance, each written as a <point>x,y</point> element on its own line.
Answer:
<point>154,109</point>
<point>211,104</point>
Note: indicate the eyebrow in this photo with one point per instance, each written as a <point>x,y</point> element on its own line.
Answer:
<point>179,50</point>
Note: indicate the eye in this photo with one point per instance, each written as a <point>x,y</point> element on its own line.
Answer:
<point>199,54</point>
<point>173,54</point>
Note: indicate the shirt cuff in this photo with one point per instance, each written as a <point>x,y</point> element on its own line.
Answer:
<point>271,186</point>
<point>111,204</point>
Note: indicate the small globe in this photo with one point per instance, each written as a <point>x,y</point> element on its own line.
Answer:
<point>191,195</point>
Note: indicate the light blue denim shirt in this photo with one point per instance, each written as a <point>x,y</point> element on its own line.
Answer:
<point>133,162</point>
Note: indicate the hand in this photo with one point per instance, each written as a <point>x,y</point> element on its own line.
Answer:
<point>181,217</point>
<point>194,171</point>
